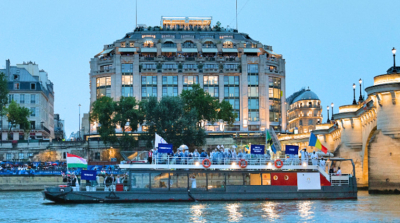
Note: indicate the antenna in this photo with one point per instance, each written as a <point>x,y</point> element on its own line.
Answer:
<point>136,14</point>
<point>236,17</point>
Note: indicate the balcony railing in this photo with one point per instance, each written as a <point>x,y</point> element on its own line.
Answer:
<point>209,45</point>
<point>168,45</point>
<point>106,71</point>
<point>189,46</point>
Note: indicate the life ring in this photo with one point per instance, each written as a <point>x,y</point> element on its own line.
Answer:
<point>204,163</point>
<point>280,165</point>
<point>243,163</point>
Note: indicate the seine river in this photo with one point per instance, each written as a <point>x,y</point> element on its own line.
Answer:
<point>30,207</point>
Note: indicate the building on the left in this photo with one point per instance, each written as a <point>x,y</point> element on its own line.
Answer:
<point>30,87</point>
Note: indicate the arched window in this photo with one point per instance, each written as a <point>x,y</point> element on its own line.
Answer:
<point>209,44</point>
<point>188,44</point>
<point>301,105</point>
<point>309,104</point>
<point>227,44</point>
<point>300,122</point>
<point>148,43</point>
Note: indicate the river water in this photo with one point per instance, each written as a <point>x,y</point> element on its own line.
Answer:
<point>30,207</point>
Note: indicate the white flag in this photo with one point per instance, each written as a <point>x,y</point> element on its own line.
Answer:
<point>159,139</point>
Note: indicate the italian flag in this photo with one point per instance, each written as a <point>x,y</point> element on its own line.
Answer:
<point>75,161</point>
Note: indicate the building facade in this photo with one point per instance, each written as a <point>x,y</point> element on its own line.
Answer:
<point>304,111</point>
<point>164,60</point>
<point>30,87</point>
<point>59,129</point>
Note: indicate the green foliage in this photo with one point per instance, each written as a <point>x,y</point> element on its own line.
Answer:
<point>18,115</point>
<point>3,93</point>
<point>206,106</point>
<point>226,112</point>
<point>169,119</point>
<point>112,114</point>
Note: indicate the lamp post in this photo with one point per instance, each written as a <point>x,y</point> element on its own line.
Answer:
<point>394,59</point>
<point>79,128</point>
<point>354,91</point>
<point>361,98</point>
<point>332,111</point>
<point>327,111</point>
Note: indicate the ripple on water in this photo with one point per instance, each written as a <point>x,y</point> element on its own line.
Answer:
<point>30,207</point>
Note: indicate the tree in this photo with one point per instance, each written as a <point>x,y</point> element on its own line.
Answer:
<point>226,112</point>
<point>124,114</point>
<point>18,115</point>
<point>127,114</point>
<point>169,119</point>
<point>208,108</point>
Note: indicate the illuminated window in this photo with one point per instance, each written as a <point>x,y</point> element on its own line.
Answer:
<point>148,36</point>
<point>148,43</point>
<point>103,87</point>
<point>226,37</point>
<point>227,44</point>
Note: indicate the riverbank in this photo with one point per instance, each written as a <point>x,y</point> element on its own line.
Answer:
<point>30,183</point>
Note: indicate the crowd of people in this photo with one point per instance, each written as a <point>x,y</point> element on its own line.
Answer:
<point>31,168</point>
<point>221,155</point>
<point>109,182</point>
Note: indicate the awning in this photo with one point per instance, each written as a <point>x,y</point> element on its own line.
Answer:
<point>127,50</point>
<point>149,50</point>
<point>189,50</point>
<point>168,50</point>
<point>210,50</point>
<point>271,52</point>
<point>229,50</point>
<point>251,50</point>
<point>106,51</point>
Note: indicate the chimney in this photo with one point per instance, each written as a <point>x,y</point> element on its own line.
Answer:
<point>8,67</point>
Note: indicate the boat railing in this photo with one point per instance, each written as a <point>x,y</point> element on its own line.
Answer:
<point>338,180</point>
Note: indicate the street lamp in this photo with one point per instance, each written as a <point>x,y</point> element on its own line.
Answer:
<point>327,111</point>
<point>79,128</point>
<point>361,98</point>
<point>394,58</point>
<point>354,91</point>
<point>332,111</point>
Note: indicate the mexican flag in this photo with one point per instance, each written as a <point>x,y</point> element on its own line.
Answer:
<point>75,161</point>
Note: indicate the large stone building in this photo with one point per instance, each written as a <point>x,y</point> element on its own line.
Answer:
<point>30,88</point>
<point>163,61</point>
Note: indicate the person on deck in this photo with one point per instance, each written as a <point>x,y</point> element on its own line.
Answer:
<point>196,155</point>
<point>107,183</point>
<point>314,158</point>
<point>203,154</point>
<point>339,172</point>
<point>322,163</point>
<point>240,154</point>
<point>304,156</point>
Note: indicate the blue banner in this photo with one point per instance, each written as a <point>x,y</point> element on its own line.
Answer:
<point>290,149</point>
<point>164,148</point>
<point>257,149</point>
<point>88,175</point>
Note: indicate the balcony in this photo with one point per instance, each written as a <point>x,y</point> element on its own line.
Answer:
<point>149,70</point>
<point>189,70</point>
<point>209,45</point>
<point>103,60</point>
<point>169,70</point>
<point>168,45</point>
<point>210,70</point>
<point>105,71</point>
<point>231,70</point>
<point>147,58</point>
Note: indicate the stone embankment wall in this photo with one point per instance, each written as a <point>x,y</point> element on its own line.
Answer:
<point>32,183</point>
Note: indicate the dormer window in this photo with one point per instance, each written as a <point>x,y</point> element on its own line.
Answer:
<point>16,77</point>
<point>123,44</point>
<point>33,86</point>
<point>16,86</point>
<point>131,44</point>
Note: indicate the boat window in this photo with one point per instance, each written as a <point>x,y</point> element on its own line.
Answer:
<point>198,181</point>
<point>252,179</point>
<point>234,179</point>
<point>178,180</point>
<point>159,180</point>
<point>140,181</point>
<point>216,181</point>
<point>266,179</point>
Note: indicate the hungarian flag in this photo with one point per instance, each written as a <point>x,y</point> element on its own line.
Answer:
<point>316,143</point>
<point>74,161</point>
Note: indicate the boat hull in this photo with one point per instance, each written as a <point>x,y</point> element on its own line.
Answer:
<point>230,193</point>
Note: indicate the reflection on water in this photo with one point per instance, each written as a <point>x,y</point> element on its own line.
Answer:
<point>234,213</point>
<point>30,207</point>
<point>270,211</point>
<point>197,213</point>
<point>304,208</point>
